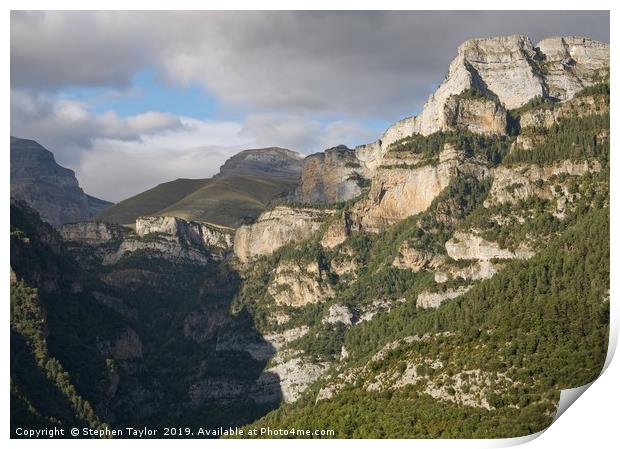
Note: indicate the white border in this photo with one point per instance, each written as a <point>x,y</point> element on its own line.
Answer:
<point>590,422</point>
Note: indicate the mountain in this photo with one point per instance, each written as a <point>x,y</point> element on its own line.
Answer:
<point>227,201</point>
<point>264,162</point>
<point>438,285</point>
<point>49,188</point>
<point>246,183</point>
<point>488,81</point>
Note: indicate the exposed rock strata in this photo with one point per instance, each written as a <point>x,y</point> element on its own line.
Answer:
<point>416,259</point>
<point>271,162</point>
<point>52,190</point>
<point>397,193</point>
<point>92,233</point>
<point>338,313</point>
<point>276,228</point>
<point>515,183</point>
<point>427,300</point>
<point>330,176</point>
<point>470,246</point>
<point>186,232</point>
<point>296,284</point>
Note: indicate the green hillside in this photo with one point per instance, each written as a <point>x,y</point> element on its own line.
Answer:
<point>151,201</point>
<point>230,201</point>
<point>224,201</point>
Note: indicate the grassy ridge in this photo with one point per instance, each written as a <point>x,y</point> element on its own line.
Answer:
<point>228,201</point>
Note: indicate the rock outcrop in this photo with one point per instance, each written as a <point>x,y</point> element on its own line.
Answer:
<point>571,63</point>
<point>514,72</point>
<point>187,232</point>
<point>330,176</point>
<point>53,191</point>
<point>479,115</point>
<point>416,259</point>
<point>428,300</point>
<point>276,228</point>
<point>296,284</point>
<point>471,246</point>
<point>338,313</point>
<point>337,231</point>
<point>399,192</point>
<point>287,380</point>
<point>514,183</point>
<point>475,271</point>
<point>545,117</point>
<point>92,232</point>
<point>504,73</point>
<point>269,162</point>
<point>168,238</point>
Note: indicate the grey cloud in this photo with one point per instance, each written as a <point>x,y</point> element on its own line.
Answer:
<point>359,63</point>
<point>142,170</point>
<point>70,129</point>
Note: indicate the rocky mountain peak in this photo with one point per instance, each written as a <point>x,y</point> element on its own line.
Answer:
<point>50,189</point>
<point>271,161</point>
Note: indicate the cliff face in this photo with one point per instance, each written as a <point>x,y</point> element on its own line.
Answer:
<point>478,115</point>
<point>399,191</point>
<point>513,71</point>
<point>92,232</point>
<point>330,176</point>
<point>470,246</point>
<point>270,162</point>
<point>50,189</point>
<point>186,232</point>
<point>519,182</point>
<point>297,285</point>
<point>275,228</point>
<point>166,238</point>
<point>504,72</point>
<point>547,117</point>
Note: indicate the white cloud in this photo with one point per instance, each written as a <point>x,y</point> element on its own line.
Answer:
<point>116,157</point>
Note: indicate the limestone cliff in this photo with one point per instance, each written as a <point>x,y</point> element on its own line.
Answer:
<point>504,73</point>
<point>471,246</point>
<point>519,182</point>
<point>296,284</point>
<point>546,117</point>
<point>330,176</point>
<point>275,228</point>
<point>92,232</point>
<point>398,192</point>
<point>187,232</point>
<point>168,238</point>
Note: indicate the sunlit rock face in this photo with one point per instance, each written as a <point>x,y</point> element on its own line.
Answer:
<point>275,228</point>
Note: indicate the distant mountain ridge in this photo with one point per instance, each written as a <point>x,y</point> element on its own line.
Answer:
<point>246,183</point>
<point>271,161</point>
<point>228,201</point>
<point>47,187</point>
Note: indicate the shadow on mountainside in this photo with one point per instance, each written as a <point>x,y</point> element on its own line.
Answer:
<point>154,345</point>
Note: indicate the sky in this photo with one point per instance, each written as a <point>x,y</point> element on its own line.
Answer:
<point>131,99</point>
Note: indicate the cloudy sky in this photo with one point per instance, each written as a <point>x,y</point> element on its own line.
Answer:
<point>132,99</point>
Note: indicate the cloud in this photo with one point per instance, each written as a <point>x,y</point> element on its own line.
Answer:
<point>116,157</point>
<point>380,64</point>
<point>197,149</point>
<point>70,128</point>
<point>287,131</point>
